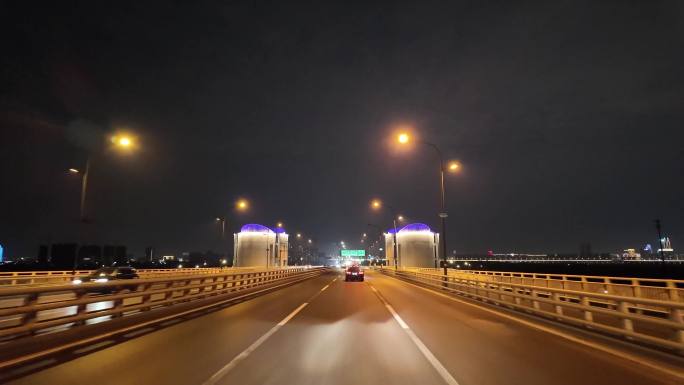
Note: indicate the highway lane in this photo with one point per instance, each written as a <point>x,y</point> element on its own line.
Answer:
<point>345,334</point>
<point>185,353</point>
<point>479,347</point>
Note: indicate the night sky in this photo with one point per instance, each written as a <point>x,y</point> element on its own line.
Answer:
<point>566,115</point>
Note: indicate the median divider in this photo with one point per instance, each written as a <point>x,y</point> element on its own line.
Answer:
<point>655,322</point>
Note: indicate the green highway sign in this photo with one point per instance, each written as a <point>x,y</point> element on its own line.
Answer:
<point>353,253</point>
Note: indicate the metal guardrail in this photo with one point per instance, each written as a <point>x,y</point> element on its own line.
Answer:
<point>31,310</point>
<point>57,276</point>
<point>652,321</point>
<point>660,289</point>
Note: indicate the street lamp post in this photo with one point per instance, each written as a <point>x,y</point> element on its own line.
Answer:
<point>443,214</point>
<point>377,204</point>
<point>121,141</point>
<point>276,246</point>
<point>404,138</point>
<point>223,238</point>
<point>241,205</point>
<point>84,189</point>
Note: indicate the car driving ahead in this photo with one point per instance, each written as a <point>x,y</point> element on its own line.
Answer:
<point>353,273</point>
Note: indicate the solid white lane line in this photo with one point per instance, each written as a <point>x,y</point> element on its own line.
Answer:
<point>443,372</point>
<point>233,363</point>
<point>558,333</point>
<point>325,287</point>
<point>396,317</point>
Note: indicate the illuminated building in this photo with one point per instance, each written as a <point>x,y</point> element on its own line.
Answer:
<point>257,245</point>
<point>416,246</point>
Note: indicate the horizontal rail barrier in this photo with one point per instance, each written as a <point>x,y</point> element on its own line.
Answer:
<point>34,310</point>
<point>59,276</point>
<point>661,289</point>
<point>651,321</point>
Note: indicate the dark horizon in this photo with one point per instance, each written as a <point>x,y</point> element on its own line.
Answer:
<point>566,118</point>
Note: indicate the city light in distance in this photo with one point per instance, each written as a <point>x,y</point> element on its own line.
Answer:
<point>74,171</point>
<point>376,204</point>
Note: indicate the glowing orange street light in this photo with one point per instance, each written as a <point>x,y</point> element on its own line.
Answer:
<point>454,166</point>
<point>376,204</point>
<point>123,141</point>
<point>242,204</point>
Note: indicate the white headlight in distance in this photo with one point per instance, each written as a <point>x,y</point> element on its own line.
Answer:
<point>77,281</point>
<point>101,280</point>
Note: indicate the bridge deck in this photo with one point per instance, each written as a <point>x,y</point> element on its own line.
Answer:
<point>345,335</point>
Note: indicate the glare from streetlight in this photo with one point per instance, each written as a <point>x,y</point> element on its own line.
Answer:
<point>74,171</point>
<point>279,224</point>
<point>400,218</point>
<point>310,241</point>
<point>403,138</point>
<point>218,219</point>
<point>364,235</point>
<point>454,166</point>
<point>376,204</point>
<point>242,204</point>
<point>299,235</point>
<point>122,140</point>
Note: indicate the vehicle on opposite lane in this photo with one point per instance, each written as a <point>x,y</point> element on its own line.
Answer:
<point>354,273</point>
<point>108,274</point>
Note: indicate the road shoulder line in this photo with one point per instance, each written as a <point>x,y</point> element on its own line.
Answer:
<point>443,372</point>
<point>597,346</point>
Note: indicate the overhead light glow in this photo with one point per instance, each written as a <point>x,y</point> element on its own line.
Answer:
<point>242,204</point>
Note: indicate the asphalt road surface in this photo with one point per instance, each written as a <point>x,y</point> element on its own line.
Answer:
<point>327,331</point>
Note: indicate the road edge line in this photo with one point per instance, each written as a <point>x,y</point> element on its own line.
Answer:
<point>558,333</point>
<point>429,356</point>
